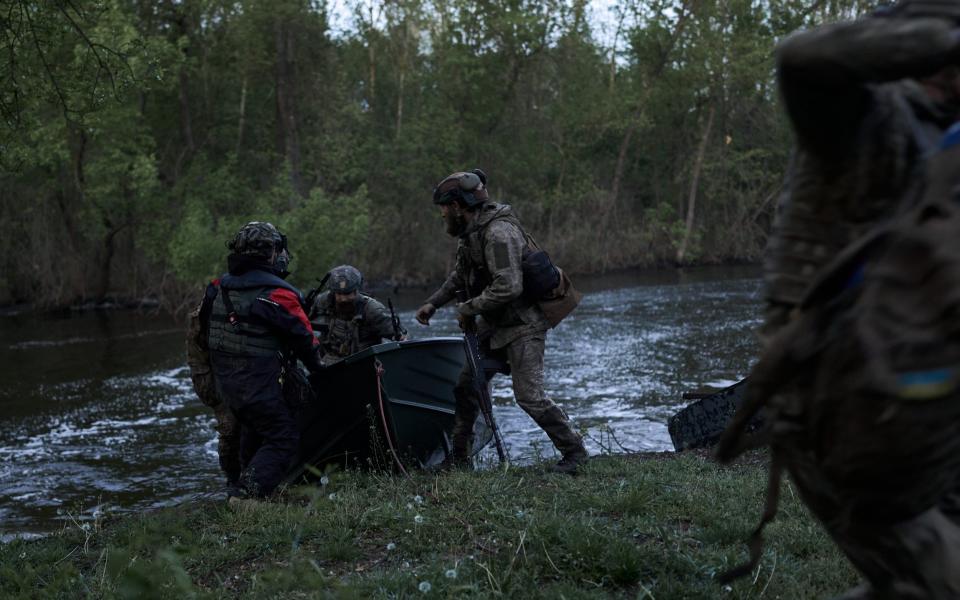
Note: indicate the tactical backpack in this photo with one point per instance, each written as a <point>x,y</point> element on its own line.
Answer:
<point>198,359</point>
<point>863,382</point>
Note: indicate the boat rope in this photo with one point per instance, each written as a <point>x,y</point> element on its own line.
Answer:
<point>378,367</point>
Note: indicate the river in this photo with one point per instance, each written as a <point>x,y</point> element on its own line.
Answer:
<point>98,413</point>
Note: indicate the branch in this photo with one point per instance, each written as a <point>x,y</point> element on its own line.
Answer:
<point>46,65</point>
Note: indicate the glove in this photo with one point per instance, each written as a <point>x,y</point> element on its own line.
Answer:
<point>918,9</point>
<point>466,322</point>
<point>425,312</point>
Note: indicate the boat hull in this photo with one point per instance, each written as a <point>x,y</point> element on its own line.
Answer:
<point>389,406</point>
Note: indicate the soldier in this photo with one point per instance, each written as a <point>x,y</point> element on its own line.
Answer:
<point>227,428</point>
<point>252,317</point>
<point>488,267</point>
<point>347,321</point>
<point>867,100</point>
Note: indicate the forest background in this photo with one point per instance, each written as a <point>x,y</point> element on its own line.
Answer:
<point>139,135</point>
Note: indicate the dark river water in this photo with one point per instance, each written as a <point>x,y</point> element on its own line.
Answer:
<point>97,412</point>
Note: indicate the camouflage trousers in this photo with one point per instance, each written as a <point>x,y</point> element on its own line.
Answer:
<point>228,442</point>
<point>918,558</point>
<point>525,356</point>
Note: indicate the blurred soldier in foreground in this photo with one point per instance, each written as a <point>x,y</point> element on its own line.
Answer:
<point>252,317</point>
<point>856,376</point>
<point>347,321</point>
<point>488,267</point>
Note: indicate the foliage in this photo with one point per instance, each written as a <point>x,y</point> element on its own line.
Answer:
<point>138,134</point>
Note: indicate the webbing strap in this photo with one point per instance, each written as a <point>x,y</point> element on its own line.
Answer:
<point>769,512</point>
<point>232,316</point>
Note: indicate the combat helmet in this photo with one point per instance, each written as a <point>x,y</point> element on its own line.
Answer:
<point>258,239</point>
<point>344,279</point>
<point>468,187</point>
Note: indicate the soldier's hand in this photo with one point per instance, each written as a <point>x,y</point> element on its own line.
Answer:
<point>425,312</point>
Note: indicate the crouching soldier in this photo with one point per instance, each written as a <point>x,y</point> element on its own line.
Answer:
<point>347,321</point>
<point>253,318</point>
<point>488,267</point>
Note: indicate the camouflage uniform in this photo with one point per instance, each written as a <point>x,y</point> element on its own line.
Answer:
<point>863,127</point>
<point>227,428</point>
<point>489,266</point>
<point>340,337</point>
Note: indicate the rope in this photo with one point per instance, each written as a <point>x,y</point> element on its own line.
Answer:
<point>378,367</point>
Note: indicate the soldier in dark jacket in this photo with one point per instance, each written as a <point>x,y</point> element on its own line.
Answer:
<point>347,321</point>
<point>867,100</point>
<point>253,317</point>
<point>488,266</point>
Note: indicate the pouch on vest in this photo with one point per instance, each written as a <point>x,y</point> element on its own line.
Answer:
<point>540,277</point>
<point>561,301</point>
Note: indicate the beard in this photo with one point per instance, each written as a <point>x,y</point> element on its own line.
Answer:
<point>456,224</point>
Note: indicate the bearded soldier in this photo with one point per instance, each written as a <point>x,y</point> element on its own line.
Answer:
<point>867,100</point>
<point>347,321</point>
<point>488,267</point>
<point>253,318</point>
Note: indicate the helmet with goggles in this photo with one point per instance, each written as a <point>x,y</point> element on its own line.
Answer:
<point>468,187</point>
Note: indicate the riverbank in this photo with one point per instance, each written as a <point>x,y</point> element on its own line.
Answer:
<point>406,293</point>
<point>652,525</point>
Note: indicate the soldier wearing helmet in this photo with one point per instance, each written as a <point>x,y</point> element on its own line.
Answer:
<point>253,321</point>
<point>488,266</point>
<point>347,321</point>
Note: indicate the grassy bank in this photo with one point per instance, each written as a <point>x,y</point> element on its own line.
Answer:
<point>653,526</point>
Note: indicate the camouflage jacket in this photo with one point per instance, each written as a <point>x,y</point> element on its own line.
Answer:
<point>198,360</point>
<point>862,128</point>
<point>340,337</point>
<point>488,266</point>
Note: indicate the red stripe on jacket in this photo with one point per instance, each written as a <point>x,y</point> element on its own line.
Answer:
<point>291,303</point>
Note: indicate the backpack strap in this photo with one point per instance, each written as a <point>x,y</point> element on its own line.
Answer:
<point>769,512</point>
<point>232,317</point>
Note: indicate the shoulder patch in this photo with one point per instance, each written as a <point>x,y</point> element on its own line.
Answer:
<point>501,256</point>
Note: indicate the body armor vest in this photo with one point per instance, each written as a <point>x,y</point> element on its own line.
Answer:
<point>341,337</point>
<point>232,329</point>
<point>240,334</point>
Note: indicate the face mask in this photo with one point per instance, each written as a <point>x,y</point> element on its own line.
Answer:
<point>346,308</point>
<point>282,261</point>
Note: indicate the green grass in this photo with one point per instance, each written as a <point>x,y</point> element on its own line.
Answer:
<point>627,527</point>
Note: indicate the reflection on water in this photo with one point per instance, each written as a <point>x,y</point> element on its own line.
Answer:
<point>98,412</point>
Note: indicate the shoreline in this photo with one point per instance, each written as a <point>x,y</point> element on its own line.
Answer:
<point>649,525</point>
<point>377,287</point>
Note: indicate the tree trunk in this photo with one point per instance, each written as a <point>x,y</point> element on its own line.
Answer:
<point>186,126</point>
<point>288,140</point>
<point>243,113</point>
<point>694,184</point>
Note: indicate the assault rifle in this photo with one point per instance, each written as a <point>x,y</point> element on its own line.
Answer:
<point>398,330</point>
<point>471,346</point>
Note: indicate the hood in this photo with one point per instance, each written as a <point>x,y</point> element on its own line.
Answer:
<point>487,213</point>
<point>238,264</point>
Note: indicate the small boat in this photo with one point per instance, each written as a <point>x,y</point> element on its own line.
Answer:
<point>701,423</point>
<point>390,406</point>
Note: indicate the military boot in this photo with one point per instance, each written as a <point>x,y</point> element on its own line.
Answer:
<point>557,426</point>
<point>459,455</point>
<point>571,461</point>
